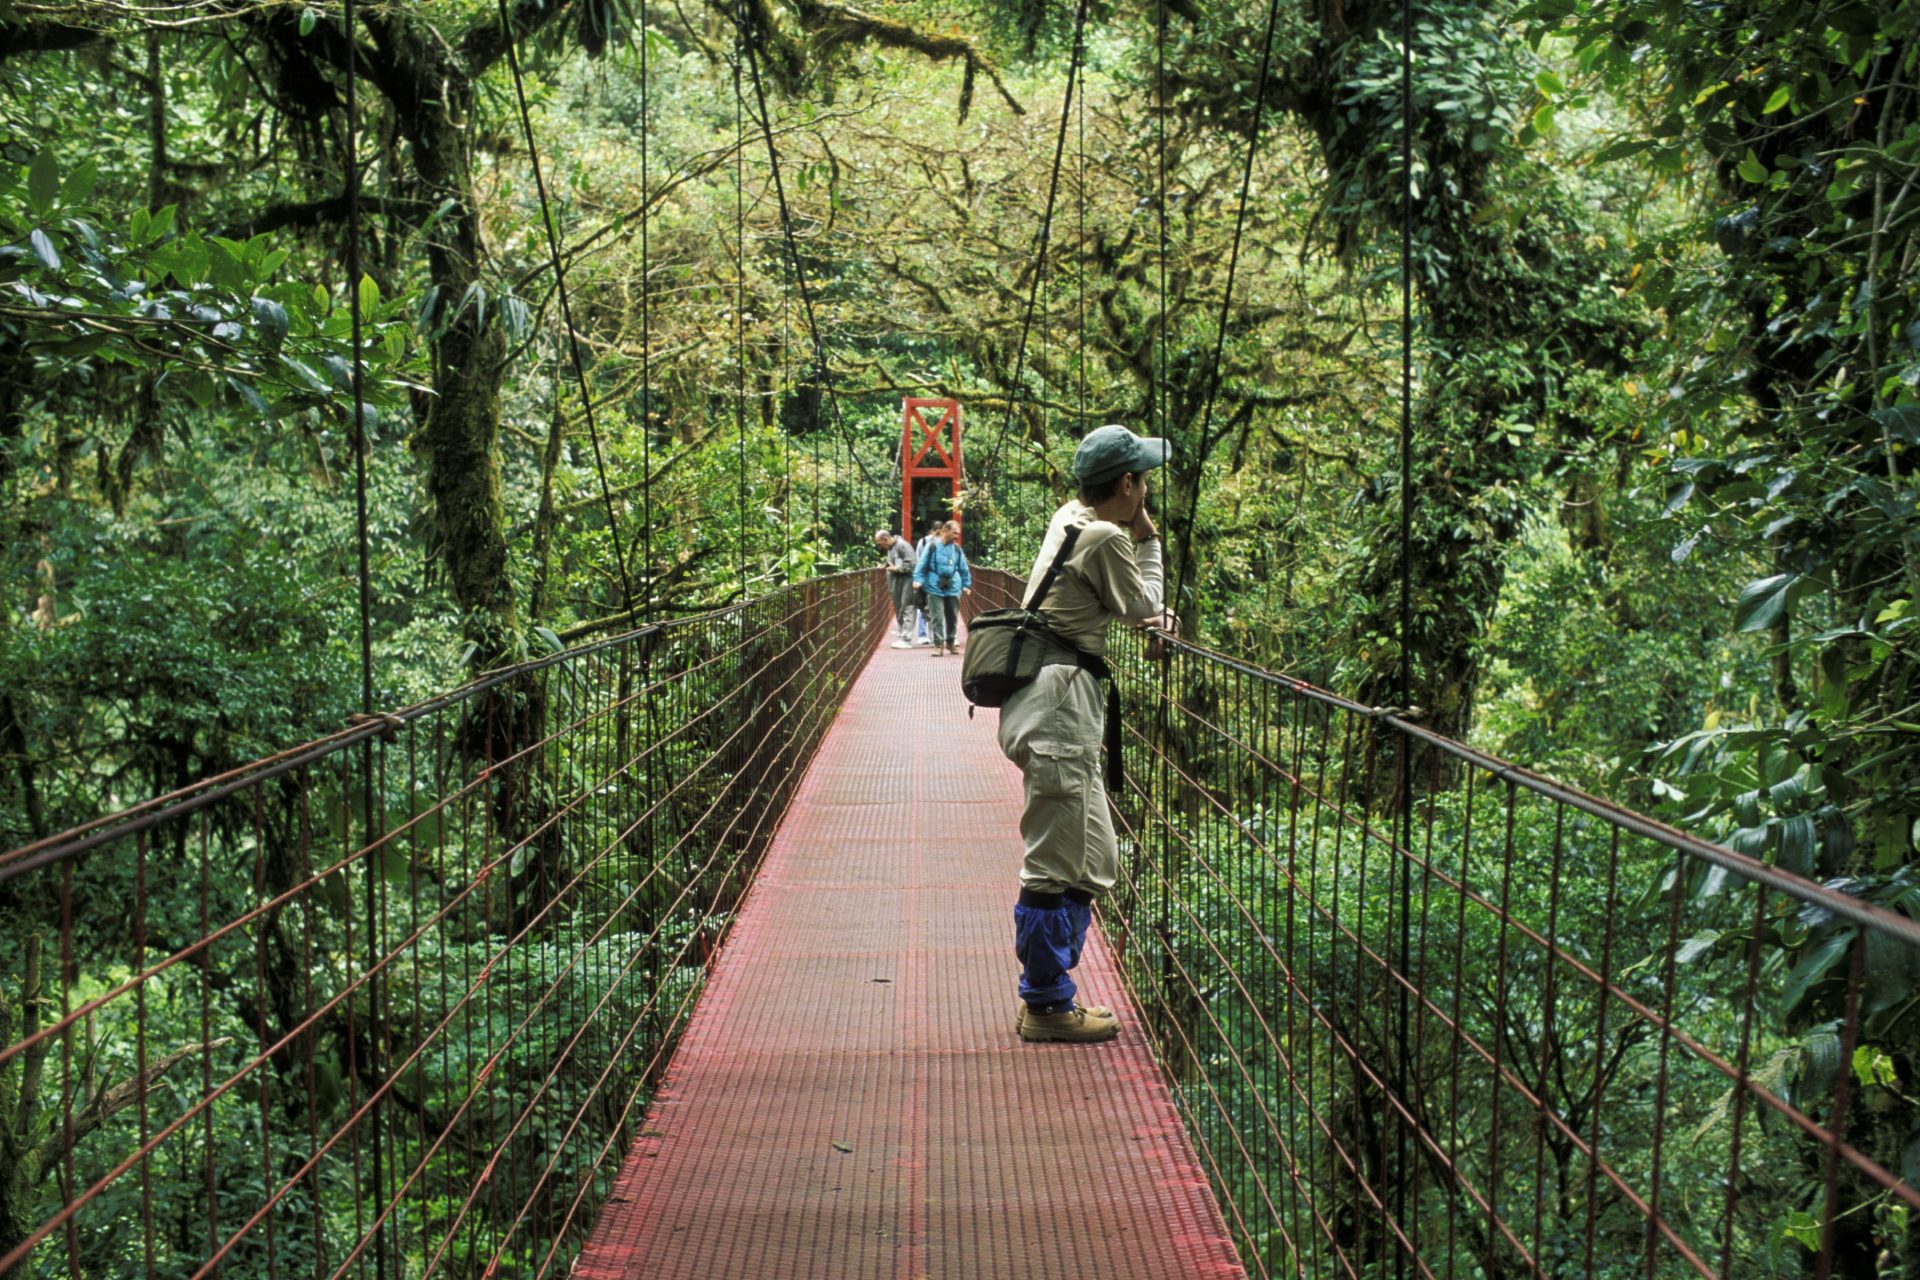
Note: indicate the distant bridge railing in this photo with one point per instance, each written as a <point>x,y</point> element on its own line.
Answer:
<point>263,1026</point>
<point>1428,1014</point>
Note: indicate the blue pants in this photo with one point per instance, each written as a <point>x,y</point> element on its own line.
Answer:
<point>1047,941</point>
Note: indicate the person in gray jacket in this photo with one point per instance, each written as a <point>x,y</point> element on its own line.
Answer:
<point>900,563</point>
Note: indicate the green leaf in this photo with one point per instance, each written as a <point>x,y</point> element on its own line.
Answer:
<point>1803,1229</point>
<point>82,347</point>
<point>1888,974</point>
<point>1752,169</point>
<point>1779,98</point>
<point>43,183</point>
<point>43,249</point>
<point>199,387</point>
<point>1621,150</point>
<point>80,184</point>
<point>1763,601</point>
<point>369,295</point>
<point>253,399</point>
<point>1700,944</point>
<point>1550,84</point>
<point>272,319</point>
<point>1794,844</point>
<point>1811,968</point>
<point>308,21</point>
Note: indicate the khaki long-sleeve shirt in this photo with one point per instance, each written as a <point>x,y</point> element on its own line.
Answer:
<point>1108,576</point>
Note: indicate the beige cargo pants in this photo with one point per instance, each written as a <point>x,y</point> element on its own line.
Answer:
<point>1051,729</point>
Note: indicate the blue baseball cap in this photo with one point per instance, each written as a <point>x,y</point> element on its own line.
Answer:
<point>1113,450</point>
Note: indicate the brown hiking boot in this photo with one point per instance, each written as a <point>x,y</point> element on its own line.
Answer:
<point>1076,1026</point>
<point>1020,1013</point>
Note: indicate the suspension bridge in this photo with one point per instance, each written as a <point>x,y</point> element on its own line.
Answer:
<point>686,953</point>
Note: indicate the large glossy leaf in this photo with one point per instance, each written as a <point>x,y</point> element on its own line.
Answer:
<point>1763,601</point>
<point>1811,968</point>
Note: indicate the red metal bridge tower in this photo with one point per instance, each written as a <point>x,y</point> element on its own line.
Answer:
<point>929,450</point>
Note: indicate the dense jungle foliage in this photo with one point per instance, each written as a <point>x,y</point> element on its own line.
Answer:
<point>1666,392</point>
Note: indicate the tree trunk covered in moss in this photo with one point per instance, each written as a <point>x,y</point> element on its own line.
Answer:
<point>1502,273</point>
<point>433,98</point>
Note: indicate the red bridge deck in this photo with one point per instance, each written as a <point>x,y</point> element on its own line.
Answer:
<point>851,1100</point>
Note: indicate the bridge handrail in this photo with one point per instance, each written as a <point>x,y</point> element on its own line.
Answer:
<point>1425,1010</point>
<point>1889,923</point>
<point>381,976</point>
<point>184,801</point>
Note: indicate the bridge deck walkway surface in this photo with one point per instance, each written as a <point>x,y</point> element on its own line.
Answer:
<point>851,1100</point>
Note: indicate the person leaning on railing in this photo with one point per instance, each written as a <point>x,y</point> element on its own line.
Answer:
<point>900,562</point>
<point>1052,728</point>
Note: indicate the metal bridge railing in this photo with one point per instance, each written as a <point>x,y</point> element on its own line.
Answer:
<point>263,1027</point>
<point>1428,1014</point>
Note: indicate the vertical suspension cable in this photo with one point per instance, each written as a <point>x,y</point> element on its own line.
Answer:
<point>1081,156</point>
<point>646,331</point>
<point>1405,752</point>
<point>743,18</point>
<point>566,304</point>
<point>1204,443</point>
<point>740,289</point>
<point>1044,236</point>
<point>786,439</point>
<point>357,380</point>
<point>1158,413</point>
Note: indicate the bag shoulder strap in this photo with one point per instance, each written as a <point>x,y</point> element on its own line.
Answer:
<point>1053,570</point>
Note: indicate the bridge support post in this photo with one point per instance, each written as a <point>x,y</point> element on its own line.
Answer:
<point>929,450</point>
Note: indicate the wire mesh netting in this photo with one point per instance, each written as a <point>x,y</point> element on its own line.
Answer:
<point>1424,1014</point>
<point>393,1002</point>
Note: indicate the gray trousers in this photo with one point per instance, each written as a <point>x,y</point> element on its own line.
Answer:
<point>943,619</point>
<point>1051,729</point>
<point>901,585</point>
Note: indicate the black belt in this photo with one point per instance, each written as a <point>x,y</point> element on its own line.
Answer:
<point>1053,901</point>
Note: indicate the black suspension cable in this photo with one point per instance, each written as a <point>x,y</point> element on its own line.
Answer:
<point>1405,751</point>
<point>825,371</point>
<point>646,332</point>
<point>1080,154</point>
<point>740,291</point>
<point>1043,238</point>
<point>786,440</point>
<point>1226,306</point>
<point>1157,395</point>
<point>357,381</point>
<point>566,305</point>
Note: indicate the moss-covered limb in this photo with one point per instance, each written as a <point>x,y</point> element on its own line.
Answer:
<point>43,36</point>
<point>1492,292</point>
<point>830,28</point>
<point>433,98</point>
<point>661,581</point>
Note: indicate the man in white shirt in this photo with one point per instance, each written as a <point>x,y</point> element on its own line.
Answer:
<point>1052,728</point>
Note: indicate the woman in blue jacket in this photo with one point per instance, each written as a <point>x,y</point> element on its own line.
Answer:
<point>943,574</point>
